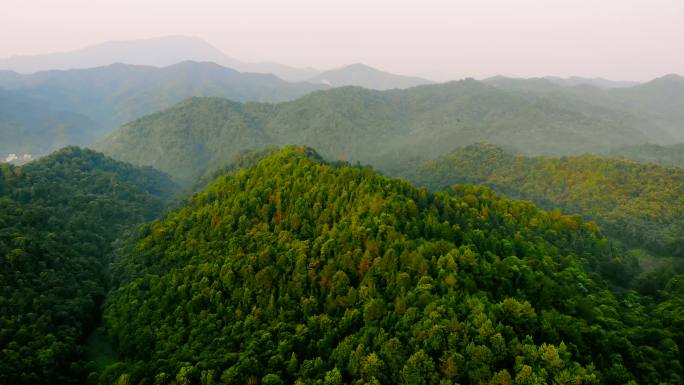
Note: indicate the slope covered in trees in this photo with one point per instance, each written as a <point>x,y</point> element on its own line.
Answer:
<point>373,127</point>
<point>58,219</point>
<point>298,271</point>
<point>640,204</point>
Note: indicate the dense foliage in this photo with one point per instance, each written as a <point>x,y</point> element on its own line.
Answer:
<point>640,204</point>
<point>298,271</point>
<point>378,128</point>
<point>58,219</point>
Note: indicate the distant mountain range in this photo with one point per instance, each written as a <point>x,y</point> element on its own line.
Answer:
<point>537,116</point>
<point>157,52</point>
<point>388,128</point>
<point>106,97</point>
<point>169,50</point>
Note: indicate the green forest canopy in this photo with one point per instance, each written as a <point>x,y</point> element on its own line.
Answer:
<point>59,217</point>
<point>640,204</point>
<point>298,271</point>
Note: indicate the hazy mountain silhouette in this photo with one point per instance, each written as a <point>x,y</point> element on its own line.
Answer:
<point>361,75</point>
<point>158,52</point>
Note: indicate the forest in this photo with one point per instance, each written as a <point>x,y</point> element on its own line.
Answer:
<point>59,217</point>
<point>284,267</point>
<point>295,270</point>
<point>640,204</point>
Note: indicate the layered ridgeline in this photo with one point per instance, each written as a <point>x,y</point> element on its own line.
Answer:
<point>58,218</point>
<point>112,95</point>
<point>297,271</point>
<point>380,128</point>
<point>158,52</point>
<point>640,204</point>
<point>656,106</point>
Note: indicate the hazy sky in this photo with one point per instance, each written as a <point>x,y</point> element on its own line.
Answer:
<point>440,39</point>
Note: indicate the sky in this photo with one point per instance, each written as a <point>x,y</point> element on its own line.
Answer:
<point>437,39</point>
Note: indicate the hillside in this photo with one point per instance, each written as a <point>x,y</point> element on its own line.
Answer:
<point>379,128</point>
<point>639,204</point>
<point>112,95</point>
<point>298,271</point>
<point>361,75</point>
<point>29,126</point>
<point>655,107</point>
<point>59,217</point>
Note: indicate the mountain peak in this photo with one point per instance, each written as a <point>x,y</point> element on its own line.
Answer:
<point>362,75</point>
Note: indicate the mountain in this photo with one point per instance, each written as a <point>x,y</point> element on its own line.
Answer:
<point>157,52</point>
<point>294,270</point>
<point>672,154</point>
<point>95,100</point>
<point>655,106</point>
<point>661,99</point>
<point>640,204</point>
<point>383,128</point>
<point>59,219</point>
<point>595,82</point>
<point>28,126</point>
<point>362,75</point>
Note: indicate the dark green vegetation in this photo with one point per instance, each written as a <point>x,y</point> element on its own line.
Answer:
<point>118,93</point>
<point>385,128</point>
<point>652,153</point>
<point>639,204</point>
<point>297,271</point>
<point>59,217</point>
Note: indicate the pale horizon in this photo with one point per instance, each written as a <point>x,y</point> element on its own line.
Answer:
<point>438,40</point>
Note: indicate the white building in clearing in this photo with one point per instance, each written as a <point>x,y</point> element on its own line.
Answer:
<point>18,158</point>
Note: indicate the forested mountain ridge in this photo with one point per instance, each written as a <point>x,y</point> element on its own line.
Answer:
<point>298,271</point>
<point>655,107</point>
<point>112,95</point>
<point>59,217</point>
<point>379,128</point>
<point>639,204</point>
